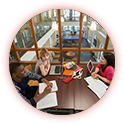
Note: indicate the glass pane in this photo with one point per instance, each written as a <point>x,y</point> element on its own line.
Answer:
<point>90,38</point>
<point>70,30</point>
<point>110,46</point>
<point>90,55</point>
<point>43,16</point>
<point>55,14</point>
<point>41,29</point>
<point>27,55</point>
<point>12,56</point>
<point>70,56</point>
<point>70,43</point>
<point>55,56</point>
<point>50,13</point>
<point>24,38</point>
<point>46,37</point>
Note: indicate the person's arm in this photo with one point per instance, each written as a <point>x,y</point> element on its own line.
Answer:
<point>48,65</point>
<point>48,68</point>
<point>47,90</point>
<point>36,98</point>
<point>47,82</point>
<point>30,101</point>
<point>33,76</point>
<point>43,71</point>
<point>103,78</point>
<point>95,72</point>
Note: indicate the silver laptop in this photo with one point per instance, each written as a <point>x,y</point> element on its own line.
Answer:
<point>55,70</point>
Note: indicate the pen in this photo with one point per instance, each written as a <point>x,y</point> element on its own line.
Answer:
<point>96,77</point>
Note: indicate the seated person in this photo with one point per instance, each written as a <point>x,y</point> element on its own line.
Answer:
<point>105,67</point>
<point>57,45</point>
<point>75,30</point>
<point>71,31</point>
<point>20,77</point>
<point>43,64</point>
<point>82,34</point>
<point>57,37</point>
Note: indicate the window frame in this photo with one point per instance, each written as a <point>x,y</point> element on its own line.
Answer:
<point>36,49</point>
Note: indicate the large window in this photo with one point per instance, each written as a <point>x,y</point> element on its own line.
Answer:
<point>71,41</point>
<point>23,38</point>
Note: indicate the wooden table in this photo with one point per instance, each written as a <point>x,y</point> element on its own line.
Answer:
<point>65,93</point>
<point>83,96</point>
<point>70,54</point>
<point>75,95</point>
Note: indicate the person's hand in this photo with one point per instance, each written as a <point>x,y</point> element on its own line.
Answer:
<point>46,70</point>
<point>96,76</point>
<point>50,84</point>
<point>47,90</point>
<point>47,82</point>
<point>93,74</point>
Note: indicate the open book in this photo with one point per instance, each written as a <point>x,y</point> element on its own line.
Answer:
<point>50,100</point>
<point>96,85</point>
<point>42,86</point>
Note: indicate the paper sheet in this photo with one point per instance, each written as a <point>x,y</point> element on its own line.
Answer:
<point>96,85</point>
<point>43,85</point>
<point>50,100</point>
<point>97,90</point>
<point>92,81</point>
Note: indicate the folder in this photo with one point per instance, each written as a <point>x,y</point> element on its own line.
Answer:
<point>68,72</point>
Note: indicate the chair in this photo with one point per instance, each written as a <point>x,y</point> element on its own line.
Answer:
<point>74,59</point>
<point>55,56</point>
<point>69,41</point>
<point>28,67</point>
<point>57,52</point>
<point>73,45</point>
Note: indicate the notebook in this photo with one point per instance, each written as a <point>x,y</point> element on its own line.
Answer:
<point>68,72</point>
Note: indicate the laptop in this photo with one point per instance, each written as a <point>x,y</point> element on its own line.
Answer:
<point>90,66</point>
<point>55,70</point>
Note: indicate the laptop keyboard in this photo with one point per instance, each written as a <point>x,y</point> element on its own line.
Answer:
<point>58,69</point>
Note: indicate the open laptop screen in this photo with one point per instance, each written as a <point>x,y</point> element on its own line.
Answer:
<point>90,66</point>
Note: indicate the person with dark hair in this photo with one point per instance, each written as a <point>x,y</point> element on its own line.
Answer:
<point>105,68</point>
<point>20,77</point>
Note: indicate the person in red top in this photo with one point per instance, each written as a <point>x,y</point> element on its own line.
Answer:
<point>105,67</point>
